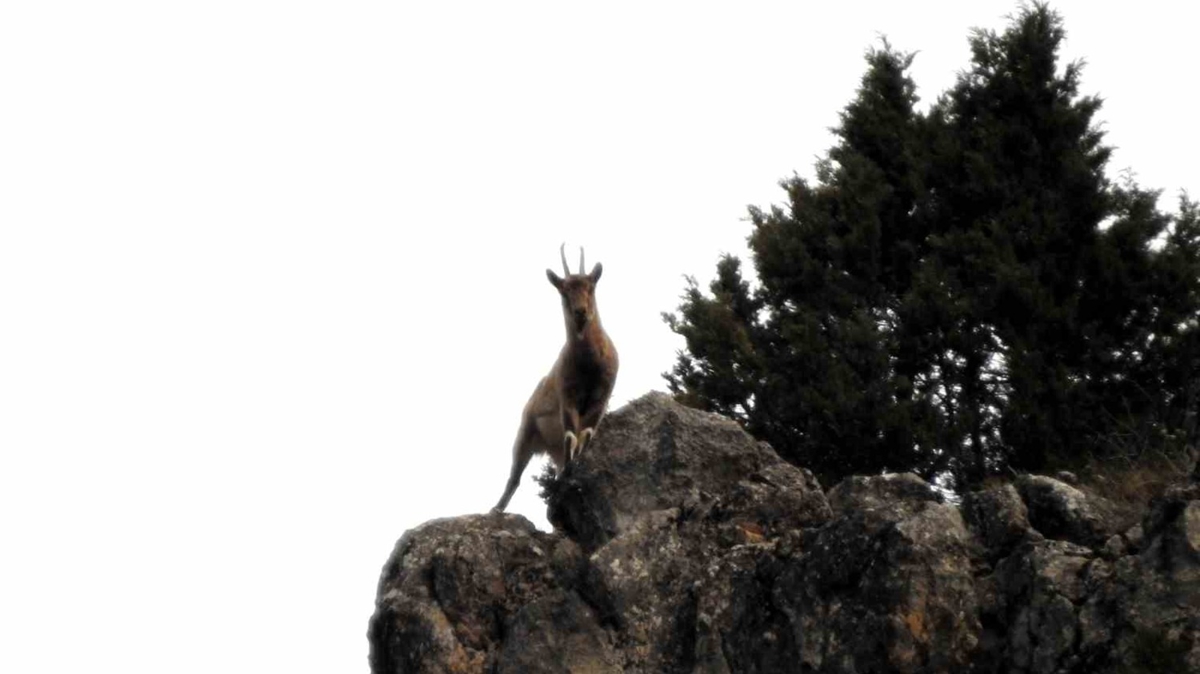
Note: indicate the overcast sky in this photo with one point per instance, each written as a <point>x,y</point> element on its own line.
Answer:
<point>271,273</point>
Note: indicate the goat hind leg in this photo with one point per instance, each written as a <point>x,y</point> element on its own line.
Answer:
<point>522,453</point>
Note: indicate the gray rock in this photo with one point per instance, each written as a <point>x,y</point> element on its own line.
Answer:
<point>455,591</point>
<point>1173,522</point>
<point>998,518</point>
<point>1068,477</point>
<point>685,546</point>
<point>1063,512</point>
<point>1032,612</point>
<point>1133,538</point>
<point>667,500</point>
<point>871,495</point>
<point>740,619</point>
<point>556,632</point>
<point>1144,614</point>
<point>654,454</point>
<point>886,586</point>
<point>643,578</point>
<point>1058,607</point>
<point>1114,547</point>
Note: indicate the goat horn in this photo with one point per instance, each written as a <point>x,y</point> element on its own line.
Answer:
<point>563,254</point>
<point>581,259</point>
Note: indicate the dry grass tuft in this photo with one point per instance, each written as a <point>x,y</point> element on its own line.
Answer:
<point>1130,484</point>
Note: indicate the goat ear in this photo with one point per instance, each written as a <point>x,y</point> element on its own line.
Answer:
<point>595,275</point>
<point>554,279</point>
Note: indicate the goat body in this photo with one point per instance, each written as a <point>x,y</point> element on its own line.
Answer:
<point>561,416</point>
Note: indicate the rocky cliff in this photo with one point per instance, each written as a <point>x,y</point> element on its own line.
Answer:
<point>683,545</point>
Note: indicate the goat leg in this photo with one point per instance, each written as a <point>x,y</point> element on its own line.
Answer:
<point>522,453</point>
<point>570,422</point>
<point>585,436</point>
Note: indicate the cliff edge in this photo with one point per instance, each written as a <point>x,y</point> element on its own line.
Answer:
<point>684,545</point>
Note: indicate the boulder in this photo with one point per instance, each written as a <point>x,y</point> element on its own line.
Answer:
<point>1063,512</point>
<point>485,593</point>
<point>999,519</point>
<point>654,454</point>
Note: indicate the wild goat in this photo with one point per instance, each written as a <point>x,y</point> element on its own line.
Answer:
<point>565,408</point>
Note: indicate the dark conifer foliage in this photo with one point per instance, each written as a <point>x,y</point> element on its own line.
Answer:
<point>962,289</point>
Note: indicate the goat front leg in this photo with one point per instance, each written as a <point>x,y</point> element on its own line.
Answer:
<point>589,420</point>
<point>570,421</point>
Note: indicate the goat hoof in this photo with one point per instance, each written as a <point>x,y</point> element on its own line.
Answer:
<point>585,438</point>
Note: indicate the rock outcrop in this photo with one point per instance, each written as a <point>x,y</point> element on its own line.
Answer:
<point>683,545</point>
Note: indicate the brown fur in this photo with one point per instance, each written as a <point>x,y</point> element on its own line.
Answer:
<point>561,416</point>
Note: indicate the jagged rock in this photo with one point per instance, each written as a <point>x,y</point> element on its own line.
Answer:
<point>1114,547</point>
<point>1143,614</point>
<point>741,621</point>
<point>1133,538</point>
<point>883,496</point>
<point>643,579</point>
<point>557,632</point>
<point>884,587</point>
<point>456,593</point>
<point>1055,606</point>
<point>1031,613</point>
<point>685,546</point>
<point>1068,477</point>
<point>1063,512</point>
<point>1175,518</point>
<point>654,454</point>
<point>999,519</point>
<point>665,495</point>
<point>1059,607</point>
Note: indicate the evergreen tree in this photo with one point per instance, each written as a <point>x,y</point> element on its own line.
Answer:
<point>1022,195</point>
<point>1058,266</point>
<point>805,361</point>
<point>961,290</point>
<point>1151,386</point>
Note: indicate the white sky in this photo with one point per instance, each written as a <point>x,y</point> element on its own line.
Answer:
<point>271,273</point>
